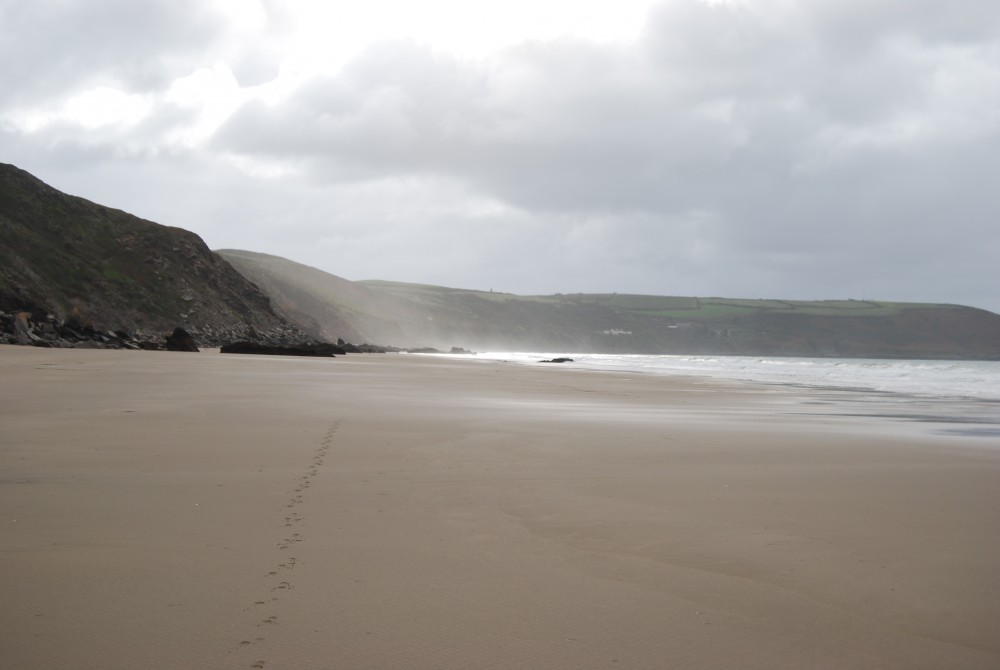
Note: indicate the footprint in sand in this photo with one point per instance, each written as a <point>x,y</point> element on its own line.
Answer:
<point>290,518</point>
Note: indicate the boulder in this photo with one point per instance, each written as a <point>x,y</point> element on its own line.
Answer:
<point>22,329</point>
<point>181,340</point>
<point>75,321</point>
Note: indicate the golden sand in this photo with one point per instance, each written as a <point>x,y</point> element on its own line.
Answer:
<point>194,511</point>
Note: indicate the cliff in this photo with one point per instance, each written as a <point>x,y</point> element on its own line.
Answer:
<point>59,253</point>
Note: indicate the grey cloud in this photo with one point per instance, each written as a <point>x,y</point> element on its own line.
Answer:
<point>562,136</point>
<point>63,146</point>
<point>855,24</point>
<point>256,64</point>
<point>62,47</point>
<point>572,125</point>
<point>825,149</point>
<point>397,108</point>
<point>805,148</point>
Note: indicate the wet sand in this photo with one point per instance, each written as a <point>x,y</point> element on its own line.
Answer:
<point>167,510</point>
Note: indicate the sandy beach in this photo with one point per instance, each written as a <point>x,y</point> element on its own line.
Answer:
<point>166,510</point>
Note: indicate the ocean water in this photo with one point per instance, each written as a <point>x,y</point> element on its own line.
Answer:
<point>979,380</point>
<point>954,398</point>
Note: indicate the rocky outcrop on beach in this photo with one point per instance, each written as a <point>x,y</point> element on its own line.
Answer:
<point>321,349</point>
<point>41,329</point>
<point>181,340</point>
<point>46,330</point>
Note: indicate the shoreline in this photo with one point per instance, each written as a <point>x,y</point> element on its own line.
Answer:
<point>826,373</point>
<point>211,511</point>
<point>901,405</point>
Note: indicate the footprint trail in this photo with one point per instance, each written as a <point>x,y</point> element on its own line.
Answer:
<point>277,583</point>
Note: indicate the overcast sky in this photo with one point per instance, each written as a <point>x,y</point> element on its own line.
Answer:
<point>819,149</point>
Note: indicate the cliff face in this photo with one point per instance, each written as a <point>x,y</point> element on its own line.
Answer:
<point>327,306</point>
<point>59,253</point>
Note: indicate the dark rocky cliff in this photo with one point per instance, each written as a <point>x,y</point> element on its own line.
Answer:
<point>59,253</point>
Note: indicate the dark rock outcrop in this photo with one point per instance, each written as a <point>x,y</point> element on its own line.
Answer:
<point>22,331</point>
<point>557,360</point>
<point>304,349</point>
<point>36,328</point>
<point>181,340</point>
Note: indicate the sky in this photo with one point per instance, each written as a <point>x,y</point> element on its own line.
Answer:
<point>829,149</point>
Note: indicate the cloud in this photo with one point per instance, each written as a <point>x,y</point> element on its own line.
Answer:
<point>63,47</point>
<point>822,149</point>
<point>572,125</point>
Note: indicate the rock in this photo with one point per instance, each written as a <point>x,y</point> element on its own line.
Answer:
<point>368,348</point>
<point>75,321</point>
<point>181,340</point>
<point>304,349</point>
<point>68,332</point>
<point>558,360</point>
<point>22,329</point>
<point>33,326</point>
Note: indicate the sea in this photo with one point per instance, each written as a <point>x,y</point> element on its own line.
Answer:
<point>962,396</point>
<point>943,379</point>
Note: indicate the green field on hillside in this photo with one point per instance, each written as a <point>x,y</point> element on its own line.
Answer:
<point>679,307</point>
